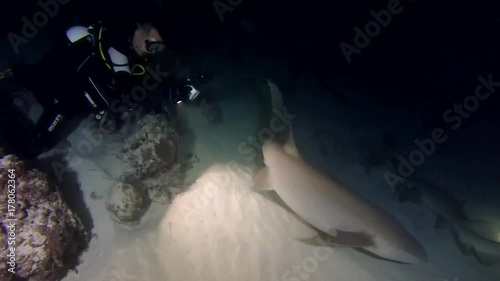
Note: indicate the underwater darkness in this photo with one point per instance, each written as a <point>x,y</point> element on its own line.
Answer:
<point>428,50</point>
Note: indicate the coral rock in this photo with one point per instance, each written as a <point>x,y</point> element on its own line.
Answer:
<point>128,204</point>
<point>48,236</point>
<point>151,150</point>
<point>165,185</point>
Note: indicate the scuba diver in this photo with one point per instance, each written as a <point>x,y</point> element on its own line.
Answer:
<point>91,72</point>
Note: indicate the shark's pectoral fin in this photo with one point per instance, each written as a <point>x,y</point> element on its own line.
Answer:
<point>351,239</point>
<point>317,240</point>
<point>261,180</point>
<point>338,237</point>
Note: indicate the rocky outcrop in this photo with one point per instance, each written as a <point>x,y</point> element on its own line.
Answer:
<point>151,173</point>
<point>46,237</point>
<point>128,203</point>
<point>162,188</point>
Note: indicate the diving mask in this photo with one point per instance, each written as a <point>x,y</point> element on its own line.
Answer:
<point>154,47</point>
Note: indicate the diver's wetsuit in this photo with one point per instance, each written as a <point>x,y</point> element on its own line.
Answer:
<point>67,76</point>
<point>62,83</point>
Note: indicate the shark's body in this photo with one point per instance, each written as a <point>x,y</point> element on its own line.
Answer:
<point>474,237</point>
<point>330,207</point>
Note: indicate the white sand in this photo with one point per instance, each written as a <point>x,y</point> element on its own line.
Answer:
<point>221,230</point>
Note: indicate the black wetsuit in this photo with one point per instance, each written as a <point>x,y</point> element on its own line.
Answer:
<point>62,83</point>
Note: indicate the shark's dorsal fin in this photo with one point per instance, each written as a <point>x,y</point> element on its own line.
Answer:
<point>278,105</point>
<point>276,97</point>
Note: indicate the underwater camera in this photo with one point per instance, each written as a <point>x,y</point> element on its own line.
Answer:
<point>187,91</point>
